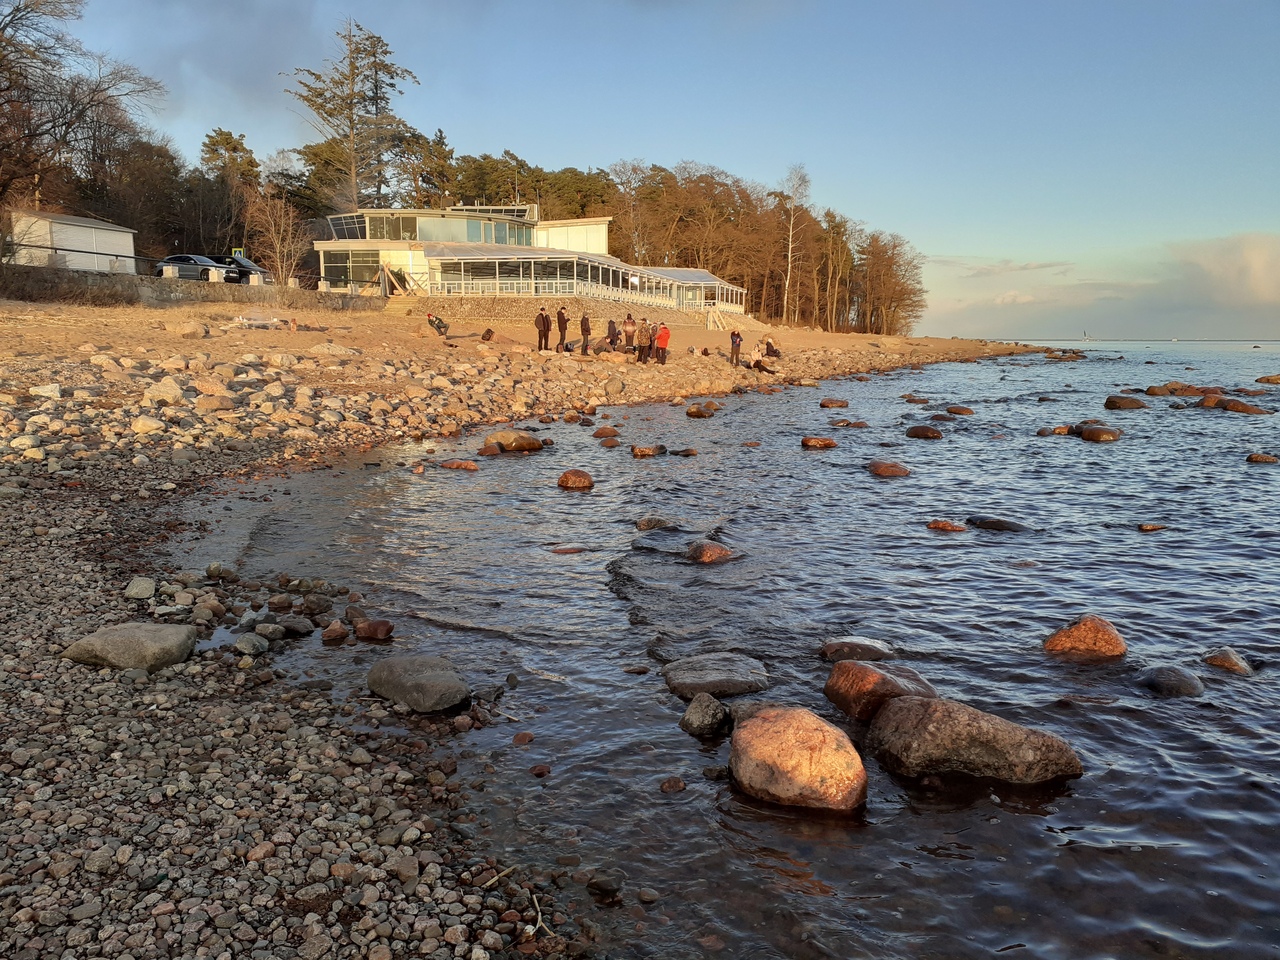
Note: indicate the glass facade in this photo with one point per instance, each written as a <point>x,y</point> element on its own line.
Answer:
<point>412,227</point>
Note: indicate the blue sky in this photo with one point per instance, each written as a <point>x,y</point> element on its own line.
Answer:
<point>1103,166</point>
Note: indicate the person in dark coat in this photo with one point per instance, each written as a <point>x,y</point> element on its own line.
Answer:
<point>562,323</point>
<point>542,323</point>
<point>586,334</point>
<point>613,334</point>
<point>629,331</point>
<point>735,348</point>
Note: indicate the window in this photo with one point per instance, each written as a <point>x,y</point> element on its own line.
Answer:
<point>488,232</point>
<point>499,233</point>
<point>475,232</point>
<point>349,226</point>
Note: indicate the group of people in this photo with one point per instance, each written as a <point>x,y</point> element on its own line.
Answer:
<point>764,349</point>
<point>650,341</point>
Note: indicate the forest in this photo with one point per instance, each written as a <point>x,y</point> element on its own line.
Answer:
<point>74,139</point>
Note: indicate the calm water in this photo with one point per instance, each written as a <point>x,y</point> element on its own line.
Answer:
<point>1169,846</point>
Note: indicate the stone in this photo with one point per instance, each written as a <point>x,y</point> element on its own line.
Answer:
<point>698,412</point>
<point>656,450</point>
<point>605,433</point>
<point>145,425</point>
<point>187,329</point>
<point>323,350</point>
<point>997,523</point>
<point>947,526</point>
<point>887,468</point>
<point>723,674</point>
<point>128,646</point>
<point>253,643</point>
<point>1170,681</point>
<point>1231,405</point>
<point>1098,433</point>
<point>140,588</point>
<point>791,756</point>
<point>654,523</point>
<point>575,480</point>
<point>489,450</point>
<point>958,411</point>
<point>704,717</point>
<point>374,630</point>
<point>336,630</point>
<point>923,431</point>
<point>914,737</point>
<point>456,464</point>
<point>860,689</point>
<point>1271,378</point>
<point>707,551</point>
<point>1225,658</point>
<point>1120,402</point>
<point>1087,637</point>
<point>516,441</point>
<point>1260,458</point>
<point>100,860</point>
<point>48,391</point>
<point>856,648</point>
<point>831,403</point>
<point>817,443</point>
<point>423,683</point>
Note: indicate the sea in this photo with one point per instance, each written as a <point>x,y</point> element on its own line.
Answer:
<point>1167,846</point>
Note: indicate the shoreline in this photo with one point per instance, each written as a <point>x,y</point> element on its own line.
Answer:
<point>211,804</point>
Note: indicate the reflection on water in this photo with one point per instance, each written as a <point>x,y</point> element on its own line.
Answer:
<point>1168,845</point>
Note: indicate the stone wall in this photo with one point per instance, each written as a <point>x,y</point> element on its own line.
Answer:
<point>516,311</point>
<point>19,282</point>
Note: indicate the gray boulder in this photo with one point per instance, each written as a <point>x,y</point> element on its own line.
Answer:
<point>134,646</point>
<point>140,588</point>
<point>423,683</point>
<point>704,717</point>
<point>1171,681</point>
<point>914,736</point>
<point>856,648</point>
<point>722,674</point>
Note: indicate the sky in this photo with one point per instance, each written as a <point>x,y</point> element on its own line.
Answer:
<point>1100,166</point>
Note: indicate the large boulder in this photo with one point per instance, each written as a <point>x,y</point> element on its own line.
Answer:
<point>575,480</point>
<point>1225,658</point>
<point>1120,402</point>
<point>924,432</point>
<point>423,683</point>
<point>1231,405</point>
<point>913,736</point>
<point>1170,681</point>
<point>722,674</point>
<point>514,440</point>
<point>887,468</point>
<point>135,646</point>
<point>791,756</point>
<point>1087,637</point>
<point>860,689</point>
<point>856,648</point>
<point>707,551</point>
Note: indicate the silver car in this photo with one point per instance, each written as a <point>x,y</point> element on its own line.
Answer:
<point>192,267</point>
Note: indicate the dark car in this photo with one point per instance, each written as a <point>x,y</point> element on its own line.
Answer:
<point>192,267</point>
<point>244,268</point>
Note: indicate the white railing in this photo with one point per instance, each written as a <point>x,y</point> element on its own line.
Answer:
<point>569,288</point>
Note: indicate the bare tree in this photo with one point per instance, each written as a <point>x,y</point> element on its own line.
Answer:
<point>280,238</point>
<point>793,199</point>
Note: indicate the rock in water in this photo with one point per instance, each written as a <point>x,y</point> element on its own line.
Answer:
<point>698,412</point>
<point>423,683</point>
<point>707,551</point>
<point>831,403</point>
<point>912,737</point>
<point>1119,402</point>
<point>997,523</point>
<point>856,648</point>
<point>924,432</point>
<point>791,756</point>
<point>721,674</point>
<point>1096,433</point>
<point>514,440</point>
<point>704,717</point>
<point>887,468</point>
<point>947,526</point>
<point>1224,658</point>
<point>817,443</point>
<point>860,690</point>
<point>1167,681</point>
<point>575,480</point>
<point>1088,636</point>
<point>654,523</point>
<point>134,646</point>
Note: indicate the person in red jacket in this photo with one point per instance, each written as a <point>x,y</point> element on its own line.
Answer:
<point>660,341</point>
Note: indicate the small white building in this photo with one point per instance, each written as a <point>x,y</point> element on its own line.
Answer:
<point>76,243</point>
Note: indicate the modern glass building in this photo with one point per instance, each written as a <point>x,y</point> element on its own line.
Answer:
<point>505,251</point>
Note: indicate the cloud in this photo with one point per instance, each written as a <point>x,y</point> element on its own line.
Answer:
<point>1238,271</point>
<point>1013,297</point>
<point>1001,267</point>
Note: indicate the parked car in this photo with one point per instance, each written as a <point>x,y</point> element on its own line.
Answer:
<point>244,268</point>
<point>192,267</point>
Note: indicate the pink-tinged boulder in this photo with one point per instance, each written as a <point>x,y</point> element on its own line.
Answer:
<point>603,433</point>
<point>652,451</point>
<point>1260,458</point>
<point>1097,433</point>
<point>575,480</point>
<point>831,403</point>
<point>887,468</point>
<point>707,551</point>
<point>860,689</point>
<point>913,737</point>
<point>374,629</point>
<point>514,440</point>
<point>790,756</point>
<point>489,450</point>
<point>1271,378</point>
<point>456,464</point>
<point>335,631</point>
<point>947,526</point>
<point>1224,658</point>
<point>958,411</point>
<point>817,443</point>
<point>1087,637</point>
<point>924,432</point>
<point>1231,405</point>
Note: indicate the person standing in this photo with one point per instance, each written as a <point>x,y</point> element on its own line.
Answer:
<point>642,341</point>
<point>586,334</point>
<point>735,348</point>
<point>629,332</point>
<point>562,321</point>
<point>542,323</point>
<point>613,334</point>
<point>661,340</point>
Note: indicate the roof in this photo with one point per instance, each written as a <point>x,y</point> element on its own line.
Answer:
<point>73,221</point>
<point>687,275</point>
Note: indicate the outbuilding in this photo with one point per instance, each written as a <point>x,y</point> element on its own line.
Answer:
<point>42,239</point>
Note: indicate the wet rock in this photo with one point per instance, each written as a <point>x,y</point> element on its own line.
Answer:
<point>1119,402</point>
<point>1260,458</point>
<point>856,648</point>
<point>913,737</point>
<point>1170,681</point>
<point>1087,637</point>
<point>831,403</point>
<point>575,480</point>
<point>1097,433</point>
<point>686,452</point>
<point>1150,527</point>
<point>924,432</point>
<point>860,689</point>
<point>604,433</point>
<point>817,443</point>
<point>704,717</point>
<point>456,464</point>
<point>997,523</point>
<point>1225,658</point>
<point>789,755</point>
<point>374,630</point>
<point>140,588</point>
<point>1271,378</point>
<point>723,674</point>
<point>253,644</point>
<point>422,683</point>
<point>514,440</point>
<point>128,646</point>
<point>655,450</point>
<point>672,785</point>
<point>1231,405</point>
<point>335,631</point>
<point>887,468</point>
<point>707,551</point>
<point>958,411</point>
<point>489,450</point>
<point>698,412</point>
<point>296,626</point>
<point>655,523</point>
<point>947,526</point>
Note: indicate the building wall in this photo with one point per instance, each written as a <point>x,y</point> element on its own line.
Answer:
<point>109,251</point>
<point>581,238</point>
<point>34,231</point>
